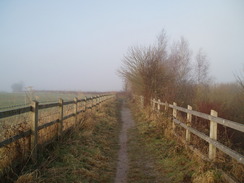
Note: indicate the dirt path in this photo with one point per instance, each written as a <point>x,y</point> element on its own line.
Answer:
<point>123,162</point>
<point>136,159</point>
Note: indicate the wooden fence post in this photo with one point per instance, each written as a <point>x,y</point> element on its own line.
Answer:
<point>94,101</point>
<point>153,102</point>
<point>159,104</point>
<point>174,116</point>
<point>213,135</point>
<point>188,122</point>
<point>97,102</point>
<point>85,104</point>
<point>141,102</point>
<point>75,109</point>
<point>166,108</point>
<point>100,100</point>
<point>34,131</point>
<point>91,103</point>
<point>61,114</point>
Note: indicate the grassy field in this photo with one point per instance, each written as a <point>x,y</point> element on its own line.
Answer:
<point>9,100</point>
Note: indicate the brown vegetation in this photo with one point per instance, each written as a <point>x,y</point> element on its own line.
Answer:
<point>17,153</point>
<point>170,73</point>
<point>163,157</point>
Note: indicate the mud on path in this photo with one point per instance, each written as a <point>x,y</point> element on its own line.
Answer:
<point>123,161</point>
<point>136,163</point>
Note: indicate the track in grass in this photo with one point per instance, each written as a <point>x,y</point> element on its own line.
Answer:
<point>123,162</point>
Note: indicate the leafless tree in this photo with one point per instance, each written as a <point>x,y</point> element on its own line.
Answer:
<point>201,68</point>
<point>180,68</point>
<point>202,78</point>
<point>180,57</point>
<point>158,72</point>
<point>240,78</point>
<point>143,68</point>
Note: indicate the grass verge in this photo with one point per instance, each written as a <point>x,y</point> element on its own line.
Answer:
<point>87,154</point>
<point>157,157</point>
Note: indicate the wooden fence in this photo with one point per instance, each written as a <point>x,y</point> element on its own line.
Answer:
<point>213,119</point>
<point>79,106</point>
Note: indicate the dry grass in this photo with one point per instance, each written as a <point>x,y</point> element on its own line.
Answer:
<point>86,154</point>
<point>222,162</point>
<point>209,176</point>
<point>18,153</point>
<point>169,159</point>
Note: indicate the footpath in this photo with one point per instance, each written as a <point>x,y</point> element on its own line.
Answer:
<point>123,162</point>
<point>135,162</point>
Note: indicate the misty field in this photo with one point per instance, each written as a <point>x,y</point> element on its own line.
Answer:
<point>12,125</point>
<point>13,100</point>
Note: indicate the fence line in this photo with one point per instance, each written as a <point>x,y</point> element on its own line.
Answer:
<point>86,103</point>
<point>214,120</point>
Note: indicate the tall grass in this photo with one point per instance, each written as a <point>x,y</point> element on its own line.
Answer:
<point>19,152</point>
<point>171,158</point>
<point>87,153</point>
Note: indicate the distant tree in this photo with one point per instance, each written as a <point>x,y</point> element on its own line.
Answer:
<point>201,68</point>
<point>240,78</point>
<point>17,87</point>
<point>202,81</point>
<point>181,72</point>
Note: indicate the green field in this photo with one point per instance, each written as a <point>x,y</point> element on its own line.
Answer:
<point>10,100</point>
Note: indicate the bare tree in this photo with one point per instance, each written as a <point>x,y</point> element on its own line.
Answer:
<point>202,78</point>
<point>240,78</point>
<point>143,68</point>
<point>201,68</point>
<point>180,69</point>
<point>158,72</point>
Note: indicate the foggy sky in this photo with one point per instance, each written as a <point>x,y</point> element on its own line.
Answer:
<point>78,45</point>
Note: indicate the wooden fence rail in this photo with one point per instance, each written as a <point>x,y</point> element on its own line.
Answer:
<point>214,120</point>
<point>86,103</point>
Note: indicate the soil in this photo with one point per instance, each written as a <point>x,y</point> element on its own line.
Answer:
<point>135,162</point>
<point>123,161</point>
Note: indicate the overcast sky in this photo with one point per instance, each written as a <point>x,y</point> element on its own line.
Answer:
<point>79,45</point>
